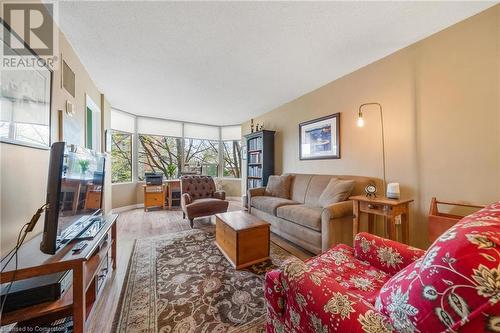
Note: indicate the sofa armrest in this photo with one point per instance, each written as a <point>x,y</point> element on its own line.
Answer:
<point>338,210</point>
<point>336,224</point>
<point>220,195</point>
<point>254,192</point>
<point>318,300</point>
<point>387,255</point>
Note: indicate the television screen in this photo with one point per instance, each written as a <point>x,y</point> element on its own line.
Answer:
<point>74,193</point>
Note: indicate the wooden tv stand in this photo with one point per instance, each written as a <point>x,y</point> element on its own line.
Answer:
<point>90,268</point>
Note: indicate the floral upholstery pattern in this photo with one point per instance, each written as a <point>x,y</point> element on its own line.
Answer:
<point>384,286</point>
<point>385,254</point>
<point>457,281</point>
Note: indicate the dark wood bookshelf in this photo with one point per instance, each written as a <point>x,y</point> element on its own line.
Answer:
<point>260,158</point>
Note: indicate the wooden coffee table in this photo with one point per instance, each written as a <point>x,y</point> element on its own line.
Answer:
<point>242,238</point>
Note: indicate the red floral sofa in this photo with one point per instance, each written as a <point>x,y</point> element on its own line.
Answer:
<point>385,286</point>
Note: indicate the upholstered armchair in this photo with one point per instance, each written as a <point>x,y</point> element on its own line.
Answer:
<point>200,198</point>
<point>380,285</point>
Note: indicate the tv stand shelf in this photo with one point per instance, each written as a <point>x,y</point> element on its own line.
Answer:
<point>86,266</point>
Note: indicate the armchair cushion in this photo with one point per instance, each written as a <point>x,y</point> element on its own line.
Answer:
<point>385,254</point>
<point>355,276</point>
<point>316,302</point>
<point>456,283</point>
<point>206,206</point>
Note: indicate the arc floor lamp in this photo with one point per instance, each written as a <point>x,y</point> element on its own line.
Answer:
<point>361,123</point>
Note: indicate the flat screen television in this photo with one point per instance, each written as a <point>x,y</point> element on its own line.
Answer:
<point>74,195</point>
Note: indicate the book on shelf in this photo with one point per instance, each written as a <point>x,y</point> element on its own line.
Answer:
<point>252,183</point>
<point>254,158</point>
<point>254,171</point>
<point>255,143</point>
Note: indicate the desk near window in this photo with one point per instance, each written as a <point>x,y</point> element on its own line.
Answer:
<point>161,195</point>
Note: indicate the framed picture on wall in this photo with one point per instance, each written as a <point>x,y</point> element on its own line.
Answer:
<point>320,138</point>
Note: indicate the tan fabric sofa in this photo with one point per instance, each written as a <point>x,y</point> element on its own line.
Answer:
<point>301,219</point>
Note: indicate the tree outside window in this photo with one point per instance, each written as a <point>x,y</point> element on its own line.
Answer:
<point>232,159</point>
<point>201,157</point>
<point>159,154</point>
<point>121,157</point>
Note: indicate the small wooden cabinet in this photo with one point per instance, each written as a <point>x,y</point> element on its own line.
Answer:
<point>154,196</point>
<point>242,238</point>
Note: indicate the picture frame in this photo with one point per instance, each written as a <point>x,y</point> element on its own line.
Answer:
<point>244,152</point>
<point>68,79</point>
<point>319,139</point>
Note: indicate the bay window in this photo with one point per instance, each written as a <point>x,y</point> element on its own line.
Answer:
<point>173,148</point>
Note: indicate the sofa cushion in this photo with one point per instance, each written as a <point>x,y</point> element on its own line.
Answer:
<point>279,186</point>
<point>337,190</point>
<point>306,216</point>
<point>456,282</point>
<point>270,204</point>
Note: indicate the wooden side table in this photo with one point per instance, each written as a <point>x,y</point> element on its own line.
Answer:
<point>388,208</point>
<point>154,196</point>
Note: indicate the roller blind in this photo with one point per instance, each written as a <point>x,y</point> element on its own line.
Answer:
<point>122,121</point>
<point>25,112</point>
<point>159,127</point>
<point>195,131</point>
<point>231,133</point>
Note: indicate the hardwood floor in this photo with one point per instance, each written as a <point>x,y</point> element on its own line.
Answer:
<point>135,224</point>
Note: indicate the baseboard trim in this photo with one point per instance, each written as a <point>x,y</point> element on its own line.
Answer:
<point>126,208</point>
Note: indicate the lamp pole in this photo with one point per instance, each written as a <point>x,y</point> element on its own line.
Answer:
<point>360,123</point>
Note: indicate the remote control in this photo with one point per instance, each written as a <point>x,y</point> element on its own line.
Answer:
<point>78,247</point>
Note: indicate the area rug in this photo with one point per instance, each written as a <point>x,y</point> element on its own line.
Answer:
<point>182,283</point>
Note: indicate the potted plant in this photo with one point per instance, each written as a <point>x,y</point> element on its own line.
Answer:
<point>84,166</point>
<point>171,168</point>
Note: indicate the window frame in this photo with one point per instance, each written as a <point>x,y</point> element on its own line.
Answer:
<point>132,180</point>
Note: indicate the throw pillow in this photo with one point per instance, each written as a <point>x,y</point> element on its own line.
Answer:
<point>337,190</point>
<point>456,283</point>
<point>279,186</point>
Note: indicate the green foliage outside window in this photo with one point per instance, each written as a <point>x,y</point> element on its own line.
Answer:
<point>232,159</point>
<point>121,157</point>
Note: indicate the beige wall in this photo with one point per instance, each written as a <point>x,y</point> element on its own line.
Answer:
<point>124,195</point>
<point>24,170</point>
<point>441,99</point>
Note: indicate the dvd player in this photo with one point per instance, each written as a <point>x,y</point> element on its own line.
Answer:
<point>40,289</point>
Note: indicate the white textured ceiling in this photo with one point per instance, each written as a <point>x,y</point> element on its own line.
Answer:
<point>225,62</point>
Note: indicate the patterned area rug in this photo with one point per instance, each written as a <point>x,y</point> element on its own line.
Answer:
<point>182,283</point>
